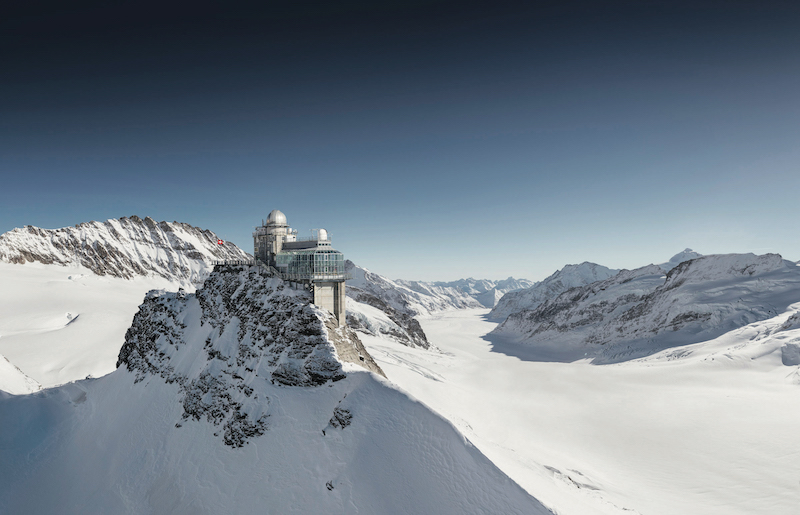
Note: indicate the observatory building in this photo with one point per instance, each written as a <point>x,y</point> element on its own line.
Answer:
<point>310,262</point>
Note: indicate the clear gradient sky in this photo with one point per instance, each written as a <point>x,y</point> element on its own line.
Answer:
<point>433,139</point>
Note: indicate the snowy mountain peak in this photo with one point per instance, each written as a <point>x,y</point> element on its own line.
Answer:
<point>679,258</point>
<point>124,247</point>
<point>639,312</point>
<point>560,281</point>
<point>723,266</point>
<point>243,327</point>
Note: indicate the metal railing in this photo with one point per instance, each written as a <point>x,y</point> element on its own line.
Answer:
<point>312,238</point>
<point>234,262</point>
<point>315,277</point>
<point>286,276</point>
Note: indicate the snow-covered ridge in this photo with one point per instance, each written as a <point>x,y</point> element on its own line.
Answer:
<point>378,305</point>
<point>125,247</point>
<point>232,399</point>
<point>560,281</point>
<point>638,312</point>
<point>568,277</point>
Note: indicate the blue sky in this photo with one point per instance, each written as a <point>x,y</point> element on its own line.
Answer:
<point>434,140</point>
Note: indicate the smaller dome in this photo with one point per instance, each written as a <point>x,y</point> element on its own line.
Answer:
<point>323,235</point>
<point>276,218</point>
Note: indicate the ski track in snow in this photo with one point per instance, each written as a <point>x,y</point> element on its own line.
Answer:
<point>709,428</point>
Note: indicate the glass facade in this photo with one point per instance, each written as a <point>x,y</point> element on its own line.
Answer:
<point>311,265</point>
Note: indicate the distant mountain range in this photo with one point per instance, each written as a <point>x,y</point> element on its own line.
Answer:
<point>635,313</point>
<point>562,280</point>
<point>388,307</point>
<point>486,291</point>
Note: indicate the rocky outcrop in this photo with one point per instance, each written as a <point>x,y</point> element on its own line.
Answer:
<point>125,247</point>
<point>244,326</point>
<point>403,328</point>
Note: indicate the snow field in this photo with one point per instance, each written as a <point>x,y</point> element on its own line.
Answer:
<point>88,455</point>
<point>701,434</point>
<point>59,324</point>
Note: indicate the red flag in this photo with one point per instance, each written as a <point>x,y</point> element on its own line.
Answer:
<point>220,242</point>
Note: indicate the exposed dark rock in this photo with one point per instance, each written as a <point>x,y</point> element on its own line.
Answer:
<point>243,326</point>
<point>125,248</point>
<point>341,418</point>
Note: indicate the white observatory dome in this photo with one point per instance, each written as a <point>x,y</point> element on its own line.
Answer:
<point>323,235</point>
<point>276,218</point>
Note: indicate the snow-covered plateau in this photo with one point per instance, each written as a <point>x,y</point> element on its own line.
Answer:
<point>237,399</point>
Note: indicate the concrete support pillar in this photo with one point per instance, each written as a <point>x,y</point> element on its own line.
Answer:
<point>331,296</point>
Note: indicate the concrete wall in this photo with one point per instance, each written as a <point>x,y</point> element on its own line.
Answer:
<point>331,296</point>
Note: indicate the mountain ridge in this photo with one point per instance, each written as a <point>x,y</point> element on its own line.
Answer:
<point>126,247</point>
<point>638,312</point>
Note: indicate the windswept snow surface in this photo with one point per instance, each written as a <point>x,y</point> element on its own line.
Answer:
<point>60,324</point>
<point>234,400</point>
<point>705,429</point>
<point>13,380</point>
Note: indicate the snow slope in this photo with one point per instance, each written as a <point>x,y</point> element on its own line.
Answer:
<point>704,429</point>
<point>62,323</point>
<point>235,400</point>
<point>125,247</point>
<point>639,312</point>
<point>568,277</point>
<point>13,380</point>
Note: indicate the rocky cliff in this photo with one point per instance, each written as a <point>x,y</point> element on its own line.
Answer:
<point>125,247</point>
